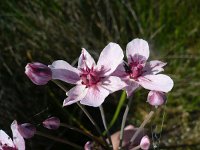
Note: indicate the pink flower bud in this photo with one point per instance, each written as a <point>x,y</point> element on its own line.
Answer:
<point>26,130</point>
<point>145,143</point>
<point>156,98</point>
<point>38,73</point>
<point>88,146</point>
<point>52,123</point>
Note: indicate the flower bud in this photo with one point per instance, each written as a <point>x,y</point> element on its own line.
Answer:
<point>156,98</point>
<point>26,130</point>
<point>52,123</point>
<point>88,146</point>
<point>38,73</point>
<point>145,143</point>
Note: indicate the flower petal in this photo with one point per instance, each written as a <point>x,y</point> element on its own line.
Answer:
<point>110,58</point>
<point>85,60</point>
<point>137,47</point>
<point>95,96</point>
<point>154,67</point>
<point>5,139</point>
<point>63,71</point>
<point>158,82</point>
<point>76,94</point>
<point>18,140</point>
<point>120,70</point>
<point>132,86</point>
<point>113,84</point>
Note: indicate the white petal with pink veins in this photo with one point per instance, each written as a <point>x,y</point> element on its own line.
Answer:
<point>61,64</point>
<point>113,84</point>
<point>137,47</point>
<point>120,70</point>
<point>63,71</point>
<point>158,82</point>
<point>85,60</point>
<point>76,94</point>
<point>132,86</point>
<point>95,96</point>
<point>111,56</point>
<point>154,67</point>
<point>18,140</point>
<point>5,139</point>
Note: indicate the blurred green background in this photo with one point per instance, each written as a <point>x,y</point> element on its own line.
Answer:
<point>48,30</point>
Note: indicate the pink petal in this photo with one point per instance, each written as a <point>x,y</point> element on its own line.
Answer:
<point>76,94</point>
<point>137,47</point>
<point>5,139</point>
<point>158,82</point>
<point>120,70</point>
<point>18,140</point>
<point>26,130</point>
<point>63,71</point>
<point>156,98</point>
<point>110,58</point>
<point>113,83</point>
<point>154,67</point>
<point>132,86</point>
<point>95,96</point>
<point>145,143</point>
<point>85,60</point>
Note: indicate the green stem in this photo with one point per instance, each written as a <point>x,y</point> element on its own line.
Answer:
<point>124,122</point>
<point>59,140</point>
<point>117,111</point>
<point>105,125</point>
<point>146,120</point>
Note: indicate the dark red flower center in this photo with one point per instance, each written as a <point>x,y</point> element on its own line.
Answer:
<point>135,68</point>
<point>89,76</point>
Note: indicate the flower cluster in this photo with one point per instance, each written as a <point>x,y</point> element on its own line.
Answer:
<point>94,81</point>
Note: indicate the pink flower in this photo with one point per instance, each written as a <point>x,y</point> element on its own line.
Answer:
<point>140,72</point>
<point>38,73</point>
<point>145,143</point>
<point>93,81</point>
<point>156,98</point>
<point>6,142</point>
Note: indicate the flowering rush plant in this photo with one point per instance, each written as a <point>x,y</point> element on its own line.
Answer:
<point>93,82</point>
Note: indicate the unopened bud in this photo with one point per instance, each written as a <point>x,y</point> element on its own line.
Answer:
<point>145,143</point>
<point>88,146</point>
<point>26,130</point>
<point>52,123</point>
<point>38,73</point>
<point>156,98</point>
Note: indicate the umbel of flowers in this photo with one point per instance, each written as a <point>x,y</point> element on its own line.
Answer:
<point>94,81</point>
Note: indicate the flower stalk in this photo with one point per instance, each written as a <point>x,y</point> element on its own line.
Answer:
<point>147,118</point>
<point>59,140</point>
<point>124,121</point>
<point>105,125</point>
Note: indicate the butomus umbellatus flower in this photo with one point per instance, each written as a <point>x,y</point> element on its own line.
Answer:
<point>138,72</point>
<point>93,81</point>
